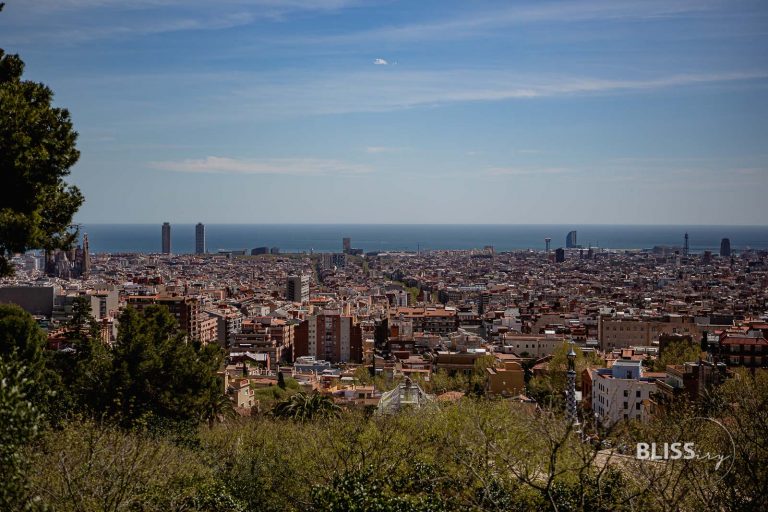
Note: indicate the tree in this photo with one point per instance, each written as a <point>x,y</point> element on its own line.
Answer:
<point>280,380</point>
<point>21,422</point>
<point>365,490</point>
<point>82,324</point>
<point>304,407</point>
<point>157,373</point>
<point>363,375</point>
<point>677,352</point>
<point>21,339</point>
<point>81,375</point>
<point>37,150</point>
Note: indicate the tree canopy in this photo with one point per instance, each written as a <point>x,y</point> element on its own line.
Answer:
<point>156,372</point>
<point>37,150</point>
<point>21,339</point>
<point>677,352</point>
<point>306,407</point>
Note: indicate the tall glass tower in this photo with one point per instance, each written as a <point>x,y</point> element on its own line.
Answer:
<point>200,238</point>
<point>166,238</point>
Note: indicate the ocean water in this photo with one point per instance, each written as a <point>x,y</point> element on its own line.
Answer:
<point>146,238</point>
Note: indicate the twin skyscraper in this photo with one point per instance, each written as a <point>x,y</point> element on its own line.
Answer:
<point>199,238</point>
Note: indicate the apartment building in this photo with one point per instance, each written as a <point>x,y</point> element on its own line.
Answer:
<point>184,308</point>
<point>620,392</point>
<point>331,336</point>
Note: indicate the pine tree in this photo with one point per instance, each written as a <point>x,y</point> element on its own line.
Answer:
<point>37,150</point>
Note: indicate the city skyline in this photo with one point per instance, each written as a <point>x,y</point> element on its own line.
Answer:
<point>362,238</point>
<point>398,113</point>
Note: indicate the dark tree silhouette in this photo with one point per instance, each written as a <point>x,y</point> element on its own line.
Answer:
<point>37,150</point>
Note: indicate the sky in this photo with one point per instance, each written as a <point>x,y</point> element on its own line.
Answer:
<point>365,111</point>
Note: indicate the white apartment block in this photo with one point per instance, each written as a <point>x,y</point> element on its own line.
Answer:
<point>618,392</point>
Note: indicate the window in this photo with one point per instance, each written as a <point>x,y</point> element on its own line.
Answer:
<point>637,394</point>
<point>637,406</point>
<point>626,405</point>
<point>626,393</point>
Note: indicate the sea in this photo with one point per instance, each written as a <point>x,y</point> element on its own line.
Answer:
<point>293,238</point>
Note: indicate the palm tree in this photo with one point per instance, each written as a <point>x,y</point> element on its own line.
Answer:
<point>219,408</point>
<point>304,407</point>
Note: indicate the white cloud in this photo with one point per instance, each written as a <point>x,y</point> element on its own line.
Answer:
<point>281,166</point>
<point>88,20</point>
<point>289,94</point>
<point>380,62</point>
<point>485,22</point>
<point>381,149</point>
<point>524,171</point>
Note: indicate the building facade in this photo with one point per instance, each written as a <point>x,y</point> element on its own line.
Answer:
<point>620,392</point>
<point>297,288</point>
<point>200,238</point>
<point>570,240</point>
<point>166,238</point>
<point>330,336</point>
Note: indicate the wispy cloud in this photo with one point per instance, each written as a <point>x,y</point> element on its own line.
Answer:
<point>288,94</point>
<point>282,5</point>
<point>524,171</point>
<point>484,22</point>
<point>380,62</point>
<point>381,149</point>
<point>88,20</point>
<point>283,166</point>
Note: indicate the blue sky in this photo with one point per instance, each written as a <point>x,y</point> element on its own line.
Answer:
<point>272,111</point>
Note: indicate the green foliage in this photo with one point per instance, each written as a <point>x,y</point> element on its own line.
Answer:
<point>156,373</point>
<point>37,150</point>
<point>82,324</point>
<point>22,342</point>
<point>21,422</point>
<point>87,467</point>
<point>21,339</point>
<point>541,389</point>
<point>472,455</point>
<point>549,388</point>
<point>306,407</point>
<point>363,375</point>
<point>81,377</point>
<point>677,352</point>
<point>267,396</point>
<point>221,408</point>
<point>441,382</point>
<point>364,491</point>
<point>473,384</point>
<point>745,415</point>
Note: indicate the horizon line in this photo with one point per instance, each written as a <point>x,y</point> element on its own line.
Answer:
<point>409,224</point>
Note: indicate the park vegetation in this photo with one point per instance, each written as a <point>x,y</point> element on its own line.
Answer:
<point>140,426</point>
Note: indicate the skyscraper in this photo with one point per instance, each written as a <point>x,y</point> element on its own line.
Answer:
<point>200,238</point>
<point>86,262</point>
<point>546,242</point>
<point>570,240</point>
<point>346,244</point>
<point>685,248</point>
<point>166,238</point>
<point>297,288</point>
<point>725,247</point>
<point>559,255</point>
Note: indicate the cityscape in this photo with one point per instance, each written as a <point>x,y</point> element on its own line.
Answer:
<point>343,255</point>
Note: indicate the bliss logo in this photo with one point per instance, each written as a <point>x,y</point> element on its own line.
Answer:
<point>670,451</point>
<point>713,450</point>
